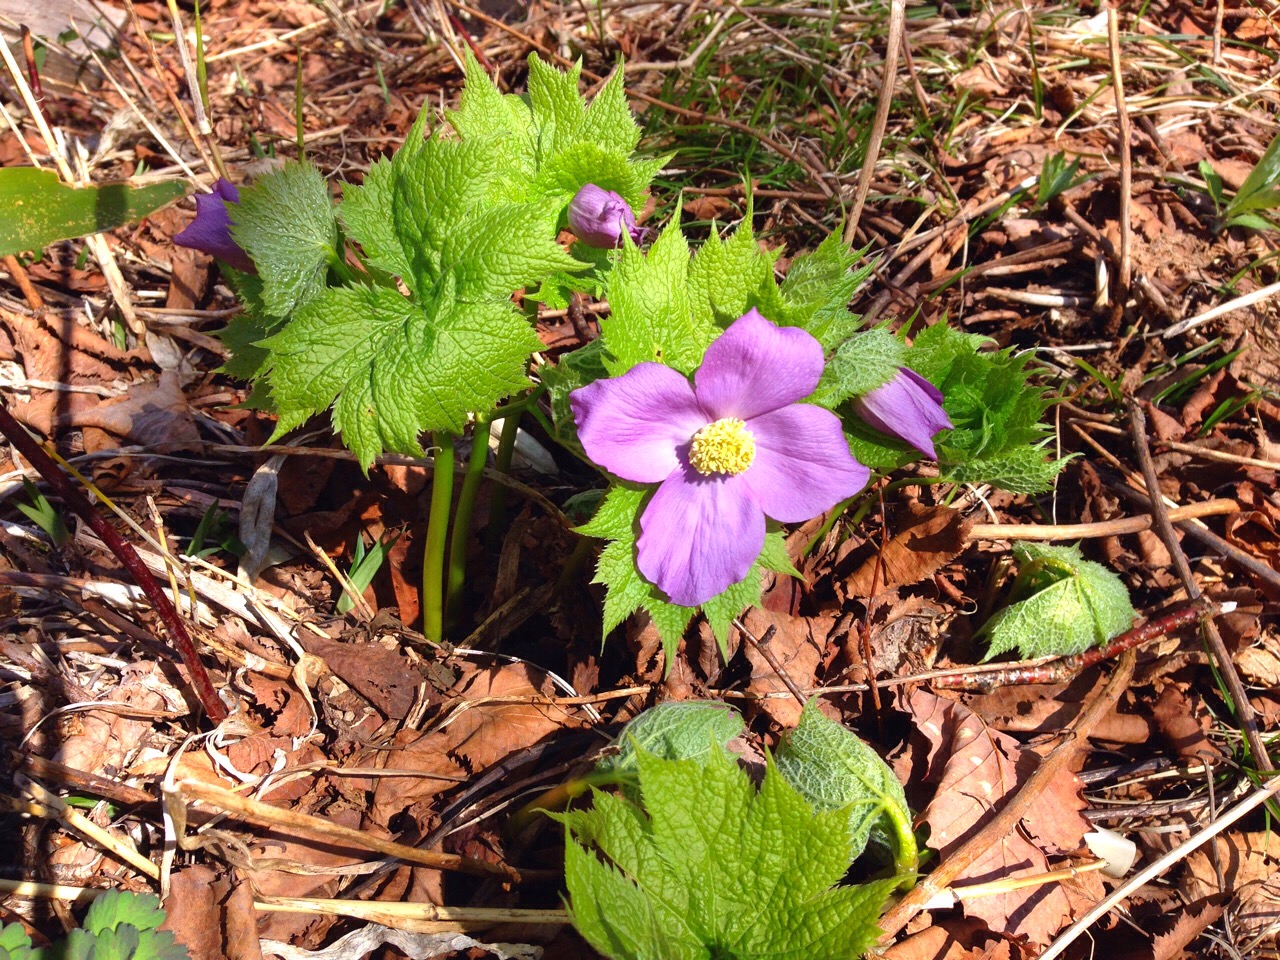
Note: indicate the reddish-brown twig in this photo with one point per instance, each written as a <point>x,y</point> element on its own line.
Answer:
<point>77,501</point>
<point>1063,669</point>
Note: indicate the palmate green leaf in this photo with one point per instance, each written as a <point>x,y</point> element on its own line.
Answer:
<point>286,222</point>
<point>118,926</point>
<point>818,288</point>
<point>37,208</point>
<point>707,866</point>
<point>396,366</point>
<point>728,276</point>
<point>14,942</point>
<point>626,589</point>
<point>834,770</point>
<point>651,315</point>
<point>559,142</point>
<point>1070,604</point>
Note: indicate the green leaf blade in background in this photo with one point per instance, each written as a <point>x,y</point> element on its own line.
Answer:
<point>38,209</point>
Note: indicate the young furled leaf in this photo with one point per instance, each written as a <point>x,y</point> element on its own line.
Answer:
<point>707,866</point>
<point>558,142</point>
<point>834,770</point>
<point>1064,604</point>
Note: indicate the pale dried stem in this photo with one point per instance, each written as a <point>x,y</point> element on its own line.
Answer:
<point>1125,270</point>
<point>1103,528</point>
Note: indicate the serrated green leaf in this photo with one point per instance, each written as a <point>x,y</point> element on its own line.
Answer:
<point>37,208</point>
<point>396,367</point>
<point>286,222</point>
<point>651,316</point>
<point>709,867</point>
<point>1070,605</point>
<point>728,276</point>
<point>1025,469</point>
<point>818,288</point>
<point>834,770</point>
<point>860,364</point>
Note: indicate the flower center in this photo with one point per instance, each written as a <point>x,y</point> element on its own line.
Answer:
<point>726,446</point>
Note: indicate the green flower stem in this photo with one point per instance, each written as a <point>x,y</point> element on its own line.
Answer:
<point>461,532</point>
<point>906,855</point>
<point>437,534</point>
<point>498,499</point>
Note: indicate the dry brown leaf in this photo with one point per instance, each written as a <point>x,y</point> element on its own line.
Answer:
<point>1185,721</point>
<point>925,539</point>
<point>475,735</point>
<point>974,768</point>
<point>1244,858</point>
<point>797,645</point>
<point>1257,909</point>
<point>377,671</point>
<point>212,916</point>
<point>1190,923</point>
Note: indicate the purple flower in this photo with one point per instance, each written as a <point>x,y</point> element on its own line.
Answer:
<point>727,451</point>
<point>210,231</point>
<point>908,407</point>
<point>598,218</point>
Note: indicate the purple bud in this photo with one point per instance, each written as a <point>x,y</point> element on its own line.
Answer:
<point>598,218</point>
<point>210,231</point>
<point>908,407</point>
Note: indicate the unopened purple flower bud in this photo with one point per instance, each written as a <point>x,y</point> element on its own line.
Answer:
<point>908,407</point>
<point>598,218</point>
<point>210,231</point>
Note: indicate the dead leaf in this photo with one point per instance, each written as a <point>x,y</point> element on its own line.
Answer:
<point>1185,722</point>
<point>1257,910</point>
<point>212,915</point>
<point>1244,858</point>
<point>797,645</point>
<point>925,539</point>
<point>1188,925</point>
<point>376,670</point>
<point>974,768</point>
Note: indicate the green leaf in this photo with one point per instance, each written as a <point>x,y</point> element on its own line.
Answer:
<point>860,364</point>
<point>834,770</point>
<point>396,367</point>
<point>557,143</point>
<point>14,942</point>
<point>676,730</point>
<point>651,316</point>
<point>707,866</point>
<point>818,288</point>
<point>37,208</point>
<point>286,222</point>
<point>1065,605</point>
<point>113,908</point>
<point>1261,189</point>
<point>728,277</point>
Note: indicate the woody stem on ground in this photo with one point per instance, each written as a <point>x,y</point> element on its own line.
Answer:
<point>70,494</point>
<point>460,534</point>
<point>437,537</point>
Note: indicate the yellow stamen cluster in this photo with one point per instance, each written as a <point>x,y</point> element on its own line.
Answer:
<point>726,446</point>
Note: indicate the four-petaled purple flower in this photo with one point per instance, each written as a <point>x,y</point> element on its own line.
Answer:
<point>908,407</point>
<point>598,218</point>
<point>210,231</point>
<point>727,451</point>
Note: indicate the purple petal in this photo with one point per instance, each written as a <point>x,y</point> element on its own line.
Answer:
<point>803,465</point>
<point>631,425</point>
<point>756,366</point>
<point>698,536</point>
<point>210,231</point>
<point>598,217</point>
<point>908,407</point>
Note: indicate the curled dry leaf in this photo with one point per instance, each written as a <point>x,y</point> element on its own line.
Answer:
<point>925,539</point>
<point>974,769</point>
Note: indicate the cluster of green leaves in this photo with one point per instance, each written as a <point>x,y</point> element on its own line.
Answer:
<point>1000,435</point>
<point>1061,605</point>
<point>455,221</point>
<point>118,926</point>
<point>694,861</point>
<point>1254,204</point>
